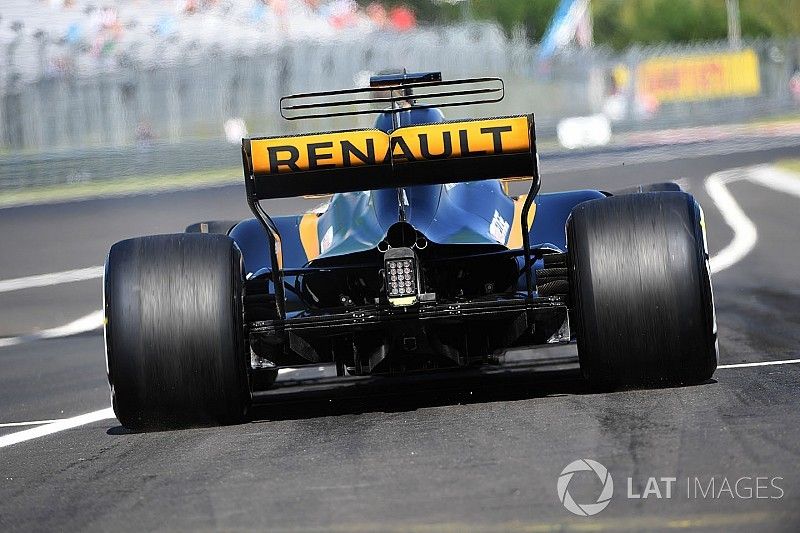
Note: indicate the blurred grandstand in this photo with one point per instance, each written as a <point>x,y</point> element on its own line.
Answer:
<point>89,37</point>
<point>98,88</point>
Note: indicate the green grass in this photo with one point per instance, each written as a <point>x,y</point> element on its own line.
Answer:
<point>118,187</point>
<point>790,164</point>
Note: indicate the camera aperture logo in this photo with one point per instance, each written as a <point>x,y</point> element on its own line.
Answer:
<point>585,509</point>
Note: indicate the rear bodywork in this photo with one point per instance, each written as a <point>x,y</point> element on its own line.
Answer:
<point>486,270</point>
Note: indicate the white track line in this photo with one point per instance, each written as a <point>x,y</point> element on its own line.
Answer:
<point>745,234</point>
<point>744,231</point>
<point>56,278</point>
<point>775,178</point>
<point>90,322</point>
<point>55,427</point>
<point>761,363</point>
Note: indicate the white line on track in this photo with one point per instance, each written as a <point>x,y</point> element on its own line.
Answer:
<point>775,178</point>
<point>745,234</point>
<point>55,427</point>
<point>761,363</point>
<point>55,278</point>
<point>90,322</point>
<point>744,231</point>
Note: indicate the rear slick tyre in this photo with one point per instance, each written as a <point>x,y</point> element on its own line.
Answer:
<point>640,291</point>
<point>175,345</point>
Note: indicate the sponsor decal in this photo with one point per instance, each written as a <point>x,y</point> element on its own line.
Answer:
<point>327,240</point>
<point>372,147</point>
<point>700,77</point>
<point>498,227</point>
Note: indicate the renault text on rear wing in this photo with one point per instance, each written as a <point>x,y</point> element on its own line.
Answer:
<point>354,160</point>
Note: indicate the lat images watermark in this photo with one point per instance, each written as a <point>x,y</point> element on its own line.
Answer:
<point>585,509</point>
<point>653,487</point>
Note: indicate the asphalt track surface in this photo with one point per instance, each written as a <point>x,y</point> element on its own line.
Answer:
<point>481,452</point>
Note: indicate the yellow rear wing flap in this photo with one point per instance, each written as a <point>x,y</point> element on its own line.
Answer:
<point>366,159</point>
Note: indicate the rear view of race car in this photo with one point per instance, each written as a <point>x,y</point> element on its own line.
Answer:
<point>420,260</point>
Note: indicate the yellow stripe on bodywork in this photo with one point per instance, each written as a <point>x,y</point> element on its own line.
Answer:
<point>515,235</point>
<point>309,236</point>
<point>279,251</point>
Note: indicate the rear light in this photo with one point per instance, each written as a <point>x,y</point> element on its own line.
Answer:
<point>402,276</point>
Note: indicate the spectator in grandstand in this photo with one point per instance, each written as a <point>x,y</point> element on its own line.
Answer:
<point>144,134</point>
<point>377,15</point>
<point>402,18</point>
<point>188,7</point>
<point>794,86</point>
<point>341,13</point>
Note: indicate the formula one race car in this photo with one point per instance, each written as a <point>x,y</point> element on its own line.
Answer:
<point>419,261</point>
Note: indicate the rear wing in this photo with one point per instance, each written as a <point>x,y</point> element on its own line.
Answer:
<point>357,160</point>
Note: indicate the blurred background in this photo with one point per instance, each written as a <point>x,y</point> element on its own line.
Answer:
<point>94,90</point>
